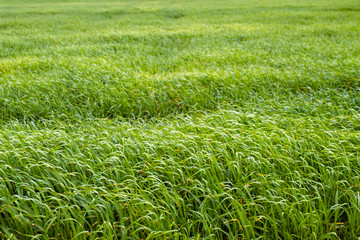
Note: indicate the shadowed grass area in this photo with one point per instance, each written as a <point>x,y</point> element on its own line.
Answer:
<point>179,119</point>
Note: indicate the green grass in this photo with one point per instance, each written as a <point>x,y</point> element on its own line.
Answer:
<point>180,119</point>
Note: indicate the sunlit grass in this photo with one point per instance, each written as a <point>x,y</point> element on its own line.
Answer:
<point>179,120</point>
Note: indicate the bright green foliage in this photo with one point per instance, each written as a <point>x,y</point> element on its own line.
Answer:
<point>200,119</point>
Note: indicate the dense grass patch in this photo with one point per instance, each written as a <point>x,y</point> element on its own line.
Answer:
<point>179,119</point>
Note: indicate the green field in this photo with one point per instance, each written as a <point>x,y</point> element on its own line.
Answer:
<point>167,119</point>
